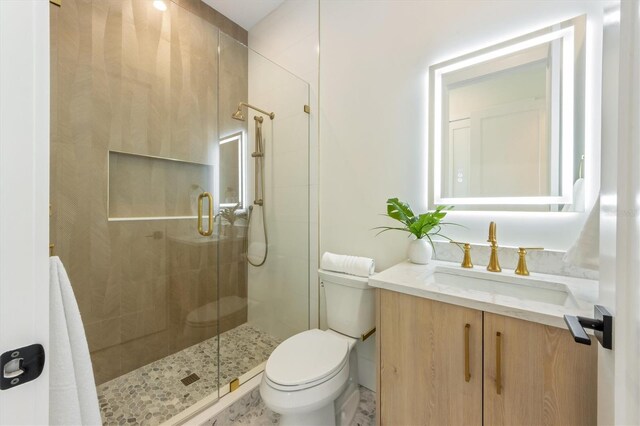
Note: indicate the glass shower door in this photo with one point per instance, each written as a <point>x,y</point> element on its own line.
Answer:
<point>263,270</point>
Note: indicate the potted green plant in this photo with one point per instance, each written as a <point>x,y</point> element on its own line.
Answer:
<point>422,226</point>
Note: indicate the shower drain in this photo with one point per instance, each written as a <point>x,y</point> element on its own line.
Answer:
<point>191,378</point>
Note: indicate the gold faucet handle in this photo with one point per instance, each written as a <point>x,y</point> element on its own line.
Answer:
<point>525,249</point>
<point>466,261</point>
<point>522,269</point>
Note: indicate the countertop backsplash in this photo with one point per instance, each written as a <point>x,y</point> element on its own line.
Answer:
<point>542,261</point>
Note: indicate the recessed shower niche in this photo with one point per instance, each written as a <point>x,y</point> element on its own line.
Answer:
<point>142,186</point>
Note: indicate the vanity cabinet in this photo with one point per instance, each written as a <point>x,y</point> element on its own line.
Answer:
<point>444,364</point>
<point>423,366</point>
<point>545,377</point>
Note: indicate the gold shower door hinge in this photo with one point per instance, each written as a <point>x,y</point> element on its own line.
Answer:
<point>56,2</point>
<point>307,109</point>
<point>235,384</point>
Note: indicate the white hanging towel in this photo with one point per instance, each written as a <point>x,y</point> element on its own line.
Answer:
<point>73,399</point>
<point>352,265</point>
<point>578,197</point>
<point>585,252</point>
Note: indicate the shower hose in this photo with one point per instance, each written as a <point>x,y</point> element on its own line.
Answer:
<point>259,195</point>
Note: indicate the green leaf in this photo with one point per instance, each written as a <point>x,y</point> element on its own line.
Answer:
<point>400,211</point>
<point>420,226</point>
<point>389,228</point>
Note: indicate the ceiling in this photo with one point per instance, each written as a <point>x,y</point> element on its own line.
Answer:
<point>245,13</point>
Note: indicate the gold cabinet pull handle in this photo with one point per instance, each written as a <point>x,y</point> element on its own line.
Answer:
<point>467,367</point>
<point>201,230</point>
<point>499,363</point>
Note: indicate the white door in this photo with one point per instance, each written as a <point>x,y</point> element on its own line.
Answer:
<point>24,198</point>
<point>619,369</point>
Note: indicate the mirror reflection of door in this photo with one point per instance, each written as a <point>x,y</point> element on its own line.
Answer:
<point>510,150</point>
<point>499,144</point>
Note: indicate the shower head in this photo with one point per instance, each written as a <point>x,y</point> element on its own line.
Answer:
<point>238,115</point>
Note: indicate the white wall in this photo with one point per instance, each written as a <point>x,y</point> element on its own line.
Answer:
<point>375,57</point>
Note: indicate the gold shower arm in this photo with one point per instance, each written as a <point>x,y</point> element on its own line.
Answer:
<point>271,115</point>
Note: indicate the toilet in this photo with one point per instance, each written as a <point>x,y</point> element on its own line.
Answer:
<point>312,377</point>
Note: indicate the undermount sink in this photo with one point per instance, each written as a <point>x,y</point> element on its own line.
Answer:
<point>500,284</point>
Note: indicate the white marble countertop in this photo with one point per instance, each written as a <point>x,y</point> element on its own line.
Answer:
<point>418,280</point>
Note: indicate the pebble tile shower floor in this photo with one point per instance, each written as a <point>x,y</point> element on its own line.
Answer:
<point>251,411</point>
<point>155,393</point>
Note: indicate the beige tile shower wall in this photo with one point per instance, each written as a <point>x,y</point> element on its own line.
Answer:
<point>128,77</point>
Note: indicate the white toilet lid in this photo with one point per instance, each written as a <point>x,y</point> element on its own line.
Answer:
<point>306,358</point>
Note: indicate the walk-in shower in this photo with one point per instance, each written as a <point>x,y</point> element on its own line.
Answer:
<point>257,252</point>
<point>141,128</point>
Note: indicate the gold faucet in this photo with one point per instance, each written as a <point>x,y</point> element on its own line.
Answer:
<point>522,269</point>
<point>466,261</point>
<point>494,265</point>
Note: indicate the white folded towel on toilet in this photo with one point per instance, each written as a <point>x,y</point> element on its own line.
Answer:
<point>352,265</point>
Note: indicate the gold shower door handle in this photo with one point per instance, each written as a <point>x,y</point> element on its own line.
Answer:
<point>467,367</point>
<point>498,363</point>
<point>201,230</point>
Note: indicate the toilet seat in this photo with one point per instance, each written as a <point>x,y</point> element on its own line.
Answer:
<point>306,360</point>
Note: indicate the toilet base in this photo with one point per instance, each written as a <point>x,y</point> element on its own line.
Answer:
<point>347,405</point>
<point>321,417</point>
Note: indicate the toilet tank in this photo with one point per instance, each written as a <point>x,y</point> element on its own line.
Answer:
<point>350,303</point>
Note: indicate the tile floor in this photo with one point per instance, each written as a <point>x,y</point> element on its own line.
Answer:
<point>154,393</point>
<point>251,411</point>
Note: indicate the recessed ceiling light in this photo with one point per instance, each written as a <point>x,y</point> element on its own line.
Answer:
<point>160,5</point>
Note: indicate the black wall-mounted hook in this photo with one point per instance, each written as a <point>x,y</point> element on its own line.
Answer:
<point>602,324</point>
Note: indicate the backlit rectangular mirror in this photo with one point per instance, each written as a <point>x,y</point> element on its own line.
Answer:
<point>231,171</point>
<point>503,124</point>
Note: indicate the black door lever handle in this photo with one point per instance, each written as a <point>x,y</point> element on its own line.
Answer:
<point>602,324</point>
<point>578,333</point>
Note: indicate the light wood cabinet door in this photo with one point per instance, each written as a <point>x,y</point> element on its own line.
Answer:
<point>421,368</point>
<point>545,377</point>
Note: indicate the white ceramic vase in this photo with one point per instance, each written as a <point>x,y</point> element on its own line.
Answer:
<point>420,251</point>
